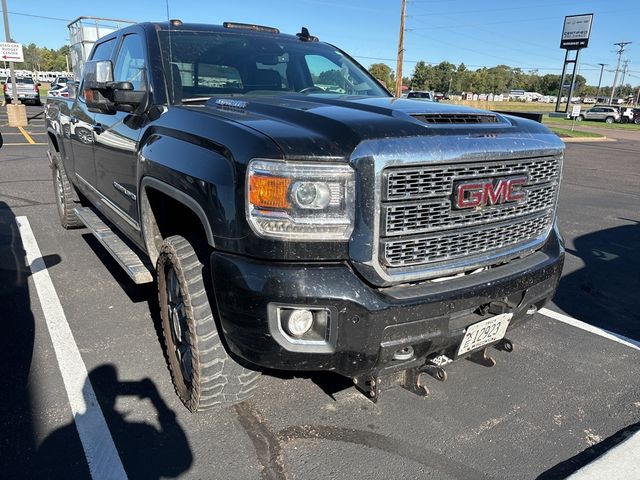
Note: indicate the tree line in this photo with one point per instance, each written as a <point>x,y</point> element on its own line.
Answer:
<point>448,78</point>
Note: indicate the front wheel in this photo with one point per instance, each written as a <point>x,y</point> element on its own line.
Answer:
<point>580,118</point>
<point>609,120</point>
<point>203,373</point>
<point>63,191</point>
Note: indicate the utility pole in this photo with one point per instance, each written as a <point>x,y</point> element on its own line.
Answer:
<point>400,50</point>
<point>615,79</point>
<point>7,35</point>
<point>625,65</point>
<point>602,65</point>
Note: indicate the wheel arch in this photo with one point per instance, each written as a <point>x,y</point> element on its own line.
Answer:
<point>156,196</point>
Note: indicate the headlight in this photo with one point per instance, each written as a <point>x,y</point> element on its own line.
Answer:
<point>300,201</point>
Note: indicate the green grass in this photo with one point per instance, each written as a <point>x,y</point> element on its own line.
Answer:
<point>566,132</point>
<point>590,123</point>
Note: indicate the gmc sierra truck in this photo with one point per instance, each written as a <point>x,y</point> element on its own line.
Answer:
<point>296,216</point>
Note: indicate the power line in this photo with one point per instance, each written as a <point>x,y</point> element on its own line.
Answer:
<point>529,6</point>
<point>38,16</point>
<point>432,63</point>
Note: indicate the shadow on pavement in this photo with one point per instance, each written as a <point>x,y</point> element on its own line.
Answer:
<point>566,468</point>
<point>604,292</point>
<point>147,451</point>
<point>17,437</point>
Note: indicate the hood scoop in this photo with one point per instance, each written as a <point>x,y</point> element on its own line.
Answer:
<point>456,118</point>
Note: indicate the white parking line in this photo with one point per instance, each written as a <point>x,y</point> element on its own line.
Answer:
<point>622,462</point>
<point>616,337</point>
<point>99,449</point>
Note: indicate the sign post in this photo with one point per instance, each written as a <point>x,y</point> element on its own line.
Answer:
<point>575,113</point>
<point>575,36</point>
<point>16,113</point>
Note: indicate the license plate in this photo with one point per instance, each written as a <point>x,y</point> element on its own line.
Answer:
<point>484,332</point>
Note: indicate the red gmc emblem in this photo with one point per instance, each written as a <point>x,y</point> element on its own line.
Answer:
<point>481,193</point>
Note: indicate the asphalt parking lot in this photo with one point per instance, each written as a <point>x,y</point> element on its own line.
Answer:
<point>559,400</point>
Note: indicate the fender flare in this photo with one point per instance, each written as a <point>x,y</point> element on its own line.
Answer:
<point>148,223</point>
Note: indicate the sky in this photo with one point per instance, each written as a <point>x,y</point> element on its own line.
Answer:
<point>518,33</point>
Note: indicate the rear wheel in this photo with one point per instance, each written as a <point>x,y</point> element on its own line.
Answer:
<point>609,119</point>
<point>580,118</point>
<point>203,374</point>
<point>63,191</point>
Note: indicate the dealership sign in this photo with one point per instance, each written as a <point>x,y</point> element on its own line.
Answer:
<point>11,52</point>
<point>576,31</point>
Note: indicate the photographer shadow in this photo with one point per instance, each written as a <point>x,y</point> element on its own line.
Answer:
<point>603,292</point>
<point>146,451</point>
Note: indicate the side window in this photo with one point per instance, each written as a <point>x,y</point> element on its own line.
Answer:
<point>130,64</point>
<point>104,50</point>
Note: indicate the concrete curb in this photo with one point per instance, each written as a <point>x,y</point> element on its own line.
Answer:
<point>587,139</point>
<point>622,462</point>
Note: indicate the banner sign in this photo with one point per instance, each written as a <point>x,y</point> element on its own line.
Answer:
<point>11,52</point>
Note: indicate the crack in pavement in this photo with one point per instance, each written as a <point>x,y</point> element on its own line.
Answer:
<point>269,446</point>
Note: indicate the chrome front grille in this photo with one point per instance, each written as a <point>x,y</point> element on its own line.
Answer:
<point>431,215</point>
<point>453,245</point>
<point>419,226</point>
<point>435,181</point>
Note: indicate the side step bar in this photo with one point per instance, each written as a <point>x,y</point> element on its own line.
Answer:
<point>137,268</point>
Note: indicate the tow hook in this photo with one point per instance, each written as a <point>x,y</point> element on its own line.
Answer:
<point>412,379</point>
<point>482,358</point>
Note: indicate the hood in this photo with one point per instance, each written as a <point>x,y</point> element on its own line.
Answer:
<point>332,127</point>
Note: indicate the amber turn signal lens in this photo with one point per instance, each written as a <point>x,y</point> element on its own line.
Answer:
<point>269,192</point>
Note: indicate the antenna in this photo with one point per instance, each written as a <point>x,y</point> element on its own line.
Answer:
<point>172,83</point>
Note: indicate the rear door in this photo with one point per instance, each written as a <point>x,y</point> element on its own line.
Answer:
<point>117,134</point>
<point>593,114</point>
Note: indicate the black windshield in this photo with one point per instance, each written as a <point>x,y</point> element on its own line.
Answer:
<point>204,64</point>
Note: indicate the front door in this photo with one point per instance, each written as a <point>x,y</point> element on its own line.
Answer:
<point>78,127</point>
<point>117,134</point>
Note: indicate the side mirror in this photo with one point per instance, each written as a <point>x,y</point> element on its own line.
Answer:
<point>125,97</point>
<point>96,76</point>
<point>103,95</point>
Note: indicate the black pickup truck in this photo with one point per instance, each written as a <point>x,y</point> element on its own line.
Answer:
<point>295,215</point>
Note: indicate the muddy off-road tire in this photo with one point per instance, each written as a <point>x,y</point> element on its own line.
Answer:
<point>63,191</point>
<point>203,374</point>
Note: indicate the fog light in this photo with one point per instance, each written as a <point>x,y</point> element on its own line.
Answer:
<point>299,322</point>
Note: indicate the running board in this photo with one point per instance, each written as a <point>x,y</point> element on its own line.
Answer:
<point>139,270</point>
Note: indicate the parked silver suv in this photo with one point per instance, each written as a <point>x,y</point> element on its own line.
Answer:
<point>603,113</point>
